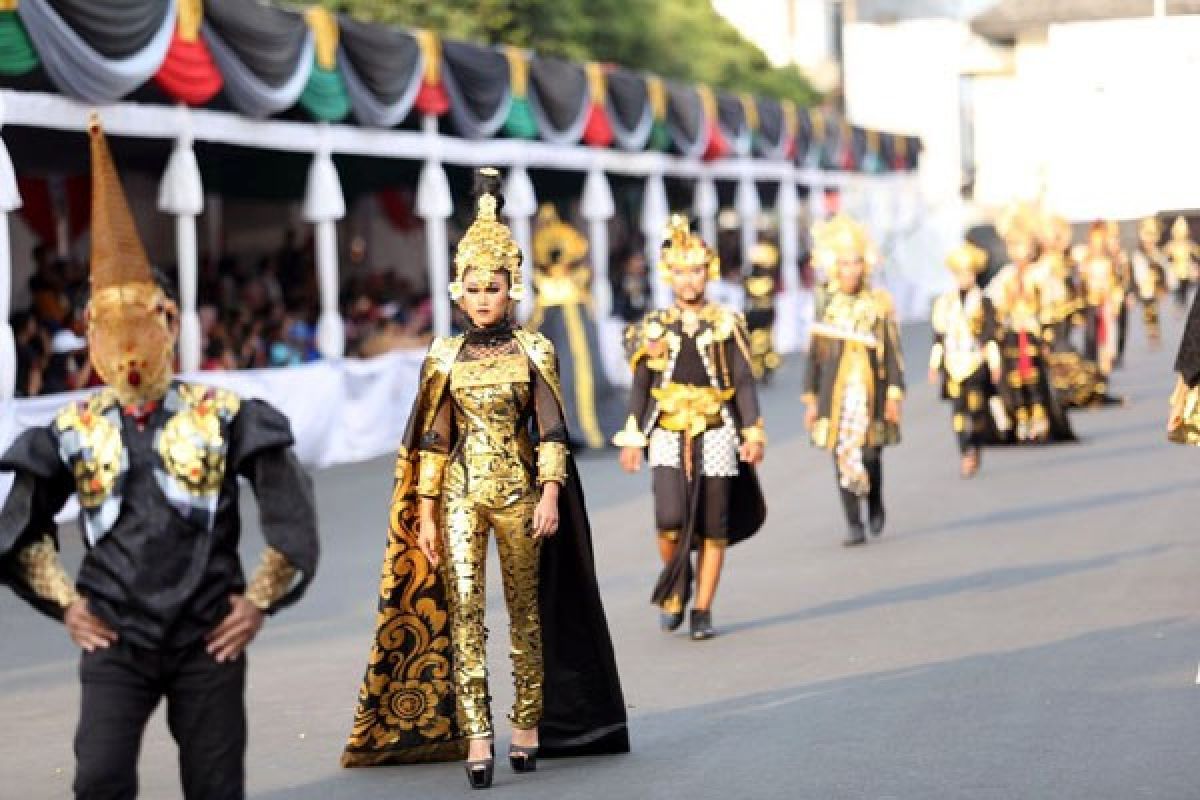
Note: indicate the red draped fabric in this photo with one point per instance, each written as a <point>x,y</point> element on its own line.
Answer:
<point>188,73</point>
<point>598,132</point>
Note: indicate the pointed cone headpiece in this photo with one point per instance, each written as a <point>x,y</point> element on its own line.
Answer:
<point>118,257</point>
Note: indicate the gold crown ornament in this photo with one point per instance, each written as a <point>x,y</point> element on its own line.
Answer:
<point>842,237</point>
<point>967,258</point>
<point>682,248</point>
<point>488,246</point>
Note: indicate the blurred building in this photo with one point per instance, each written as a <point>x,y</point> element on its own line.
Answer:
<point>1083,102</point>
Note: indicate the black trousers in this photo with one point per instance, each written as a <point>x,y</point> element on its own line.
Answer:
<point>206,715</point>
<point>671,503</point>
<point>852,503</point>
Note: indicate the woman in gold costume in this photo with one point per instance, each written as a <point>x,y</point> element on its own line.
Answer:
<point>469,465</point>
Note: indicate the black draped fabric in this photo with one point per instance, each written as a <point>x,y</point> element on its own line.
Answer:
<point>1187,361</point>
<point>731,116</point>
<point>266,40</point>
<point>913,151</point>
<point>771,141</point>
<point>560,90</point>
<point>476,78</point>
<point>887,151</point>
<point>685,119</point>
<point>113,28</point>
<point>627,97</point>
<point>858,146</point>
<point>384,58</point>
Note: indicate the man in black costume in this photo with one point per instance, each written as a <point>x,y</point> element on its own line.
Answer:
<point>694,406</point>
<point>161,607</point>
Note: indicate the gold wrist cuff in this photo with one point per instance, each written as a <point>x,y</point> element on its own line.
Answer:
<point>271,580</point>
<point>43,573</point>
<point>756,433</point>
<point>631,435</point>
<point>895,393</point>
<point>429,474</point>
<point>552,462</point>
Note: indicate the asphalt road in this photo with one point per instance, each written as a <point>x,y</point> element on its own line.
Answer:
<point>1029,634</point>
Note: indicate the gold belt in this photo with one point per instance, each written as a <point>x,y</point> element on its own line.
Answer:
<point>690,409</point>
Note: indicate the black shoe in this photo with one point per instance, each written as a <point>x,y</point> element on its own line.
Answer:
<point>702,627</point>
<point>523,758</point>
<point>854,536</point>
<point>877,521</point>
<point>670,620</point>
<point>480,772</point>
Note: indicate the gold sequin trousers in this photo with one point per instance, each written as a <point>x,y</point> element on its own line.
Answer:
<point>466,531</point>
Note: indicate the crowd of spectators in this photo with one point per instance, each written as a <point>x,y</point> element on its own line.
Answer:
<point>254,313</point>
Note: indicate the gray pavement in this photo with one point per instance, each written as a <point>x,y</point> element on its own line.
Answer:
<point>1028,634</point>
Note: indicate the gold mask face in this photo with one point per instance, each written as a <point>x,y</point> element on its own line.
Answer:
<point>131,339</point>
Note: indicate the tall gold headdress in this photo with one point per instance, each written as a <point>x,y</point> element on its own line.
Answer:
<point>131,321</point>
<point>556,243</point>
<point>488,245</point>
<point>118,258</point>
<point>842,237</point>
<point>1179,228</point>
<point>682,248</point>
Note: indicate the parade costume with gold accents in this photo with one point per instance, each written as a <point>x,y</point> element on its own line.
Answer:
<point>854,368</point>
<point>1016,292</point>
<point>761,285</point>
<point>470,446</point>
<point>564,313</point>
<point>1185,398</point>
<point>155,464</point>
<point>1182,255</point>
<point>1103,295</point>
<point>1077,380</point>
<point>965,353</point>
<point>1149,276</point>
<point>692,404</point>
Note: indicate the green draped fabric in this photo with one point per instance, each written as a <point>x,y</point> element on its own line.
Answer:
<point>17,55</point>
<point>660,138</point>
<point>325,95</point>
<point>520,123</point>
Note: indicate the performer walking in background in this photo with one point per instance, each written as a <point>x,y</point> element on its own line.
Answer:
<point>761,284</point>
<point>694,405</point>
<point>1149,277</point>
<point>965,358</point>
<point>563,294</point>
<point>1016,295</point>
<point>468,465</point>
<point>1181,253</point>
<point>161,608</point>
<point>855,378</point>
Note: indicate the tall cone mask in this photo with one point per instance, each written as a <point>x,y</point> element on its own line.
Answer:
<point>118,257</point>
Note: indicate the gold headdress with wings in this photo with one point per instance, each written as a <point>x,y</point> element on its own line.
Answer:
<point>682,248</point>
<point>842,237</point>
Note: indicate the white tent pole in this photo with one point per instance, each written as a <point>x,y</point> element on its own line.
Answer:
<point>10,200</point>
<point>705,206</point>
<point>324,205</point>
<point>788,206</point>
<point>181,193</point>
<point>748,208</point>
<point>435,206</point>
<point>598,208</point>
<point>655,214</point>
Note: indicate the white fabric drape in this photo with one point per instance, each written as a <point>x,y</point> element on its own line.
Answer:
<point>598,207</point>
<point>435,205</point>
<point>520,204</point>
<point>10,200</point>
<point>655,214</point>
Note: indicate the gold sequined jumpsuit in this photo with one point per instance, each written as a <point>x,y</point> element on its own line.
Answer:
<point>479,461</point>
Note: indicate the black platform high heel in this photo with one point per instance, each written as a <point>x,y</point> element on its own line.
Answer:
<point>481,771</point>
<point>523,758</point>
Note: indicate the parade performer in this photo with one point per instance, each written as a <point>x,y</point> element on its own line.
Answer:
<point>563,295</point>
<point>694,406</point>
<point>1016,294</point>
<point>761,284</point>
<point>160,607</point>
<point>1182,254</point>
<point>1149,276</point>
<point>468,464</point>
<point>855,379</point>
<point>965,358</point>
<point>1103,297</point>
